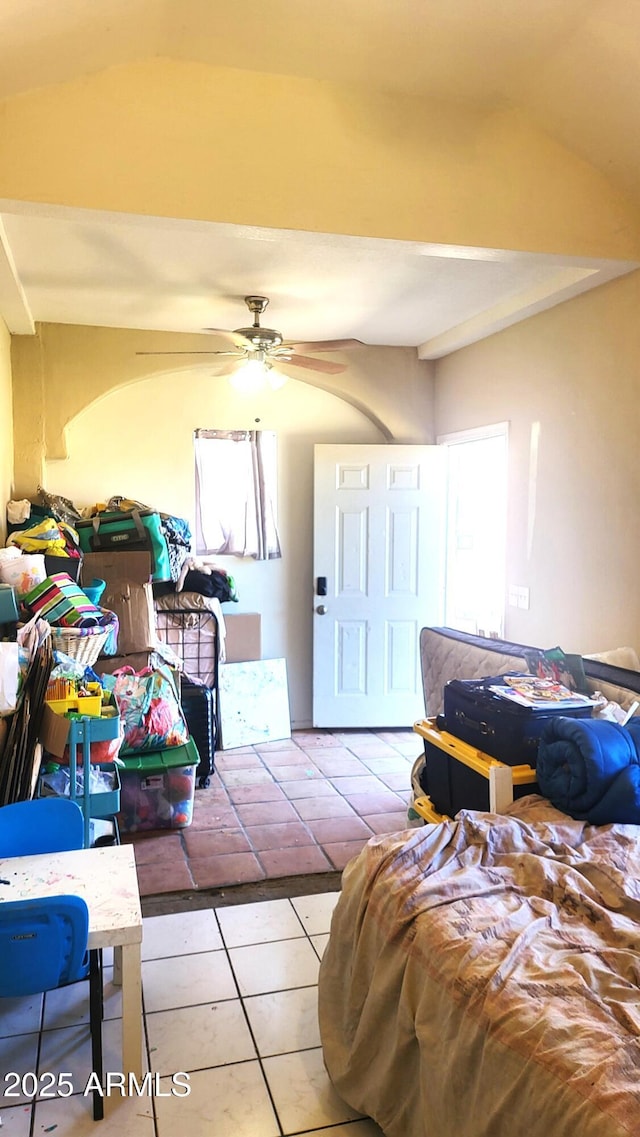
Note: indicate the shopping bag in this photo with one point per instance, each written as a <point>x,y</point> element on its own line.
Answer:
<point>61,601</point>
<point>150,709</point>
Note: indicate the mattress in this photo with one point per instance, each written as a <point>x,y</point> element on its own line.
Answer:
<point>447,654</point>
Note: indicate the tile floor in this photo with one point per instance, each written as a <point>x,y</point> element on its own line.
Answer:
<point>299,806</point>
<point>230,998</point>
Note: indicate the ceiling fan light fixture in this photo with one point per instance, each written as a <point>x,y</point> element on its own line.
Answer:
<point>276,379</point>
<point>250,377</point>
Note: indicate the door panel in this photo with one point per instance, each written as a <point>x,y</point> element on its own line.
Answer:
<point>378,539</point>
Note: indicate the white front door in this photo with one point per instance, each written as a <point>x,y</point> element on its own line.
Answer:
<point>378,579</point>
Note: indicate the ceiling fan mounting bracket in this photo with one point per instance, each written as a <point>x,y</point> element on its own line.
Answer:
<point>256,304</point>
<point>261,339</point>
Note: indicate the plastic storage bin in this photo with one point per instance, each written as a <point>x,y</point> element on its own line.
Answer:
<point>158,788</point>
<point>459,776</point>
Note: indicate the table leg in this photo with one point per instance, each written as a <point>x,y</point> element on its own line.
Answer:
<point>131,1010</point>
<point>117,966</point>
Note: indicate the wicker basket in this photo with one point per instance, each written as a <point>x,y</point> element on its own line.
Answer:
<point>83,644</point>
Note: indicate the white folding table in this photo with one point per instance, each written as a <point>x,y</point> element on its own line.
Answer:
<point>106,879</point>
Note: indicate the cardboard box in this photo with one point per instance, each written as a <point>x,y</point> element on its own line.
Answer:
<point>138,660</point>
<point>128,593</point>
<point>54,730</point>
<point>243,638</point>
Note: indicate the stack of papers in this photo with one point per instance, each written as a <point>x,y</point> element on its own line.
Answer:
<point>539,694</point>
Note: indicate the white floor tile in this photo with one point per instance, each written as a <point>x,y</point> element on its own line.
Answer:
<point>302,1093</point>
<point>20,1015</point>
<point>320,943</point>
<point>259,923</point>
<point>364,1128</point>
<point>316,911</point>
<point>69,1051</point>
<point>17,1055</point>
<point>180,933</point>
<point>66,1006</point>
<point>275,967</point>
<point>16,1121</point>
<point>284,1020</point>
<point>73,1117</point>
<point>69,1006</point>
<point>182,981</point>
<point>193,1038</point>
<point>229,1101</point>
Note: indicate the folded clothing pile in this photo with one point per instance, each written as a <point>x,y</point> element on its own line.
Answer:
<point>590,769</point>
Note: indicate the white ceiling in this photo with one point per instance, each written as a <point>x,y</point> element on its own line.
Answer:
<point>111,270</point>
<point>565,63</point>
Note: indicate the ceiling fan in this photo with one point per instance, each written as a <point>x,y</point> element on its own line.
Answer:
<point>265,347</point>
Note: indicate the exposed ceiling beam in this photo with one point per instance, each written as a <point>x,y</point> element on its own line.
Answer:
<point>13,301</point>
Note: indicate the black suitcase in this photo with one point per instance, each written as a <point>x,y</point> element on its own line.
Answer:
<point>501,728</point>
<point>199,707</point>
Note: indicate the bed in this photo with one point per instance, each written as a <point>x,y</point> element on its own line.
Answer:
<point>481,978</point>
<point>482,975</point>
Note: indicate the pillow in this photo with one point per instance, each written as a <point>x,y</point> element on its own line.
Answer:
<point>618,657</point>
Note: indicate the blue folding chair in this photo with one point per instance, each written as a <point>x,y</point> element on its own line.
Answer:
<point>43,942</point>
<point>44,825</point>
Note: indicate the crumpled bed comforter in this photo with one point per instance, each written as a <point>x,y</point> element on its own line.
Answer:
<point>482,978</point>
<point>590,769</point>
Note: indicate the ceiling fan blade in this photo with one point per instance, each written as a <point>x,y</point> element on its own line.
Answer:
<point>327,345</point>
<point>314,364</point>
<point>238,354</point>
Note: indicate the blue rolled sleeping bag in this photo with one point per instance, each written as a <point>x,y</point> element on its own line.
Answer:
<point>590,769</point>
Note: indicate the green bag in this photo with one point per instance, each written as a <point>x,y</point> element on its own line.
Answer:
<point>134,532</point>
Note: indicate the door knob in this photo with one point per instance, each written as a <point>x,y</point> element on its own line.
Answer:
<point>321,609</point>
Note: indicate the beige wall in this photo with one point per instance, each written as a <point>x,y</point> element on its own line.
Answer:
<point>181,139</point>
<point>574,525</point>
<point>6,427</point>
<point>137,441</point>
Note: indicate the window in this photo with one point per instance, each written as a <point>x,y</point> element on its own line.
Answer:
<point>236,493</point>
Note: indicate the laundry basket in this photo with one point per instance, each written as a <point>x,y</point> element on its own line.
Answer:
<point>86,644</point>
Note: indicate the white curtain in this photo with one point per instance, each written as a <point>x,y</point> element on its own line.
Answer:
<point>236,493</point>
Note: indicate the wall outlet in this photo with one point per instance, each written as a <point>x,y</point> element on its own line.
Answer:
<point>518,596</point>
<point>523,597</point>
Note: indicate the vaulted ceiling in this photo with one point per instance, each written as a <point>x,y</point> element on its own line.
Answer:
<point>571,65</point>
